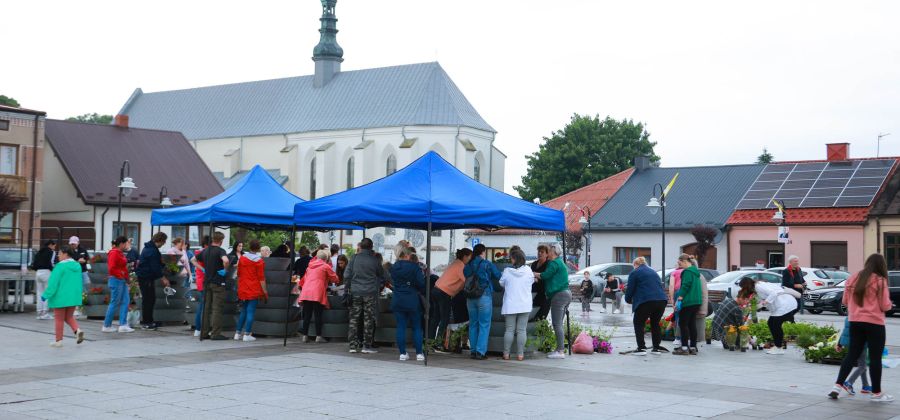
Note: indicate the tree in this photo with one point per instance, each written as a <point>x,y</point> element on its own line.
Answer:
<point>585,151</point>
<point>309,240</point>
<point>94,118</point>
<point>574,243</point>
<point>6,100</point>
<point>705,236</point>
<point>765,157</point>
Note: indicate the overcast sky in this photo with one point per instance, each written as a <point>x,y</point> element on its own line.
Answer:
<point>714,82</point>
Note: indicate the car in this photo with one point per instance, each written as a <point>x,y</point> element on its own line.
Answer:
<point>831,298</point>
<point>894,287</point>
<point>837,275</point>
<point>816,278</point>
<point>705,273</point>
<point>620,270</point>
<point>728,284</point>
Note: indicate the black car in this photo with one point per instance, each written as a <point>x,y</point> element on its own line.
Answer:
<point>830,298</point>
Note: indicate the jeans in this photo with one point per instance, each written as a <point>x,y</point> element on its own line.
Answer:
<point>652,310</point>
<point>558,305</point>
<point>687,321</point>
<point>480,311</point>
<point>245,320</point>
<point>864,334</point>
<point>67,315</point>
<point>860,371</point>
<point>312,309</point>
<point>515,324</point>
<point>214,295</point>
<point>442,302</point>
<point>40,285</point>
<point>409,318</point>
<point>148,299</point>
<point>118,296</point>
<point>198,316</point>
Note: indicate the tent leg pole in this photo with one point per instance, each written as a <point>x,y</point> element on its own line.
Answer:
<point>568,325</point>
<point>427,289</point>
<point>287,309</point>
<point>207,308</point>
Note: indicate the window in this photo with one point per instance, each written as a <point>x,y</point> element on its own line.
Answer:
<point>180,232</point>
<point>350,173</point>
<point>348,232</point>
<point>770,277</point>
<point>132,230</point>
<point>436,233</point>
<point>389,231</point>
<point>4,125</point>
<point>391,165</point>
<point>7,222</point>
<point>312,179</point>
<point>627,255</point>
<point>8,159</point>
<point>892,250</point>
<point>477,171</point>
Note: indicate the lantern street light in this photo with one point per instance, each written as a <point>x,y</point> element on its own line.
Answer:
<point>164,200</point>
<point>126,187</point>
<point>655,205</point>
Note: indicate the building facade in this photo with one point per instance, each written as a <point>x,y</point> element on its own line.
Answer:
<point>21,172</point>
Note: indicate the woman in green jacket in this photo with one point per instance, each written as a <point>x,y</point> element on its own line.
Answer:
<point>556,286</point>
<point>63,294</point>
<point>690,296</point>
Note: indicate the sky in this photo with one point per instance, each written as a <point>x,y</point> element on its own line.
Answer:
<point>714,82</point>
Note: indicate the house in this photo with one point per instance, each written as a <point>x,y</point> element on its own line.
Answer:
<point>583,202</point>
<point>882,230</point>
<point>331,130</point>
<point>21,146</point>
<point>85,165</point>
<point>828,206</point>
<point>624,228</point>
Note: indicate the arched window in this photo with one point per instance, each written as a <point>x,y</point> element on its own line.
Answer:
<point>350,173</point>
<point>312,179</point>
<point>477,172</point>
<point>391,165</point>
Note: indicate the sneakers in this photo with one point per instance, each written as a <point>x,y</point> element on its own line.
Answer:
<point>440,350</point>
<point>45,316</point>
<point>676,343</point>
<point>849,388</point>
<point>556,355</point>
<point>836,391</point>
<point>321,339</point>
<point>56,344</point>
<point>693,351</point>
<point>866,390</point>
<point>639,352</point>
<point>602,310</point>
<point>420,357</point>
<point>78,315</point>
<point>79,334</point>
<point>369,350</point>
<point>353,350</point>
<point>148,326</point>
<point>304,339</point>
<point>196,333</point>
<point>775,350</point>
<point>681,352</point>
<point>125,329</point>
<point>249,337</point>
<point>404,357</point>
<point>109,329</point>
<point>881,397</point>
<point>237,336</point>
<point>656,352</point>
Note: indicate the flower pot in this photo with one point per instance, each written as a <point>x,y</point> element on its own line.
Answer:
<point>94,300</point>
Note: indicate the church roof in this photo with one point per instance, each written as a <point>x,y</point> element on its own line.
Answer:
<point>414,94</point>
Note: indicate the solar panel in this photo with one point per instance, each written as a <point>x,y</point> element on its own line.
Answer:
<point>818,184</point>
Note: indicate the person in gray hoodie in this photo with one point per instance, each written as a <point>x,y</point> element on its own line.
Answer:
<point>362,280</point>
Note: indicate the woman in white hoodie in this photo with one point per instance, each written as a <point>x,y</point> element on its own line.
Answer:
<point>780,301</point>
<point>516,282</point>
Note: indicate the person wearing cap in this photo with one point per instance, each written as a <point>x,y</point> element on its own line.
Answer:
<point>43,262</point>
<point>80,255</point>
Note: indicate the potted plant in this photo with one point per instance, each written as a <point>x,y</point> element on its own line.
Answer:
<point>96,296</point>
<point>730,337</point>
<point>744,337</point>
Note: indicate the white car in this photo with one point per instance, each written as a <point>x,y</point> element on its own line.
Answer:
<point>815,278</point>
<point>620,270</point>
<point>728,282</point>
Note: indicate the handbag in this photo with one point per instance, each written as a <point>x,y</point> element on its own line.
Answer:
<point>472,287</point>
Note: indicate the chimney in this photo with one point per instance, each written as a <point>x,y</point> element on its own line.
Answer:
<point>642,163</point>
<point>837,152</point>
<point>121,120</point>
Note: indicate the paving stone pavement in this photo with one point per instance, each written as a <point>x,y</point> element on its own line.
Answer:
<point>170,375</point>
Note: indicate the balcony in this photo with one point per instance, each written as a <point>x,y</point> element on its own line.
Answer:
<point>18,186</point>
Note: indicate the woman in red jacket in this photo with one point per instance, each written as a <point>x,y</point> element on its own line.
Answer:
<point>313,297</point>
<point>118,288</point>
<point>251,287</point>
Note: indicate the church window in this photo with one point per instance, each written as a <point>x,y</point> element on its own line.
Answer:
<point>391,165</point>
<point>312,180</point>
<point>350,173</point>
<point>477,174</point>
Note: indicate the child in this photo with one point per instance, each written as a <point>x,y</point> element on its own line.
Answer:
<point>587,292</point>
<point>860,370</point>
<point>63,294</point>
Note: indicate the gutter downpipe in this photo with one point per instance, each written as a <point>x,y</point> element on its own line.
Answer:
<point>878,234</point>
<point>103,227</point>
<point>34,163</point>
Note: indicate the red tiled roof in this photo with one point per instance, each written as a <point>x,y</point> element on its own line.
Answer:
<point>593,197</point>
<point>811,216</point>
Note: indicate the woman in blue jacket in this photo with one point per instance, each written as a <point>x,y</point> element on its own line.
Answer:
<point>481,308</point>
<point>648,302</point>
<point>409,282</point>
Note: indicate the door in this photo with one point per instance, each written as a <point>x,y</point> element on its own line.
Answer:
<point>775,259</point>
<point>829,255</point>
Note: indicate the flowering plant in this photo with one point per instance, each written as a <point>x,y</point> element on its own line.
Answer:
<point>96,290</point>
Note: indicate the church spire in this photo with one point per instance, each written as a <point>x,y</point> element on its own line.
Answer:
<point>327,55</point>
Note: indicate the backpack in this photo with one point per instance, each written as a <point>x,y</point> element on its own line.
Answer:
<point>472,288</point>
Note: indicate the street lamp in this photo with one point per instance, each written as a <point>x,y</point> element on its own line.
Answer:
<point>164,200</point>
<point>655,205</point>
<point>126,187</point>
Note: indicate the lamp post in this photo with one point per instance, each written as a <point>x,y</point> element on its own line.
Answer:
<point>655,205</point>
<point>126,187</point>
<point>164,200</point>
<point>585,222</point>
<point>780,219</point>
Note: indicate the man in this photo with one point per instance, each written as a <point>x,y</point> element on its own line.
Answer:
<point>728,312</point>
<point>43,263</point>
<point>81,255</point>
<point>149,269</point>
<point>335,251</point>
<point>792,278</point>
<point>362,279</point>
<point>540,298</point>
<point>214,259</point>
<point>648,301</point>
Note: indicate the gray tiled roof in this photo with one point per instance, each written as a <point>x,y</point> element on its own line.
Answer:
<point>704,195</point>
<point>415,94</point>
<point>233,179</point>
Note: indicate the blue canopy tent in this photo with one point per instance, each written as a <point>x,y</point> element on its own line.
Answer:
<point>429,194</point>
<point>255,201</point>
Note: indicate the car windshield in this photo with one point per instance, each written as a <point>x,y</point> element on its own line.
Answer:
<point>594,269</point>
<point>728,277</point>
<point>820,274</point>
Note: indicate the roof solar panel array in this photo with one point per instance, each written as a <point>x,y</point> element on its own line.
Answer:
<point>818,184</point>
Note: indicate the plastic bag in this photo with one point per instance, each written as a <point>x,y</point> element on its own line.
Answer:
<point>584,344</point>
<point>134,318</point>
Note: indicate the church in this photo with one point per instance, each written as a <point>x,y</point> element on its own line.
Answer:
<point>330,131</point>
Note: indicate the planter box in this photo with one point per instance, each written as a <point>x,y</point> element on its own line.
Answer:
<point>95,300</point>
<point>95,311</point>
<point>274,329</point>
<point>338,331</point>
<point>100,268</point>
<point>276,264</point>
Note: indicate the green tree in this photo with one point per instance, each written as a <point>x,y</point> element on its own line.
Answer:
<point>309,240</point>
<point>6,100</point>
<point>765,157</point>
<point>585,151</point>
<point>94,118</point>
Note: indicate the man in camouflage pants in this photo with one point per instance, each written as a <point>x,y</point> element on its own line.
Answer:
<point>362,279</point>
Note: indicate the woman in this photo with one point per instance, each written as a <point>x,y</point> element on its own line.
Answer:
<point>251,287</point>
<point>118,287</point>
<point>867,298</point>
<point>556,286</point>
<point>265,251</point>
<point>612,290</point>
<point>648,303</point>
<point>540,299</point>
<point>342,262</point>
<point>481,307</point>
<point>448,285</point>
<point>43,264</point>
<point>235,255</point>
<point>313,297</point>
<point>409,282</point>
<point>63,294</point>
<point>178,248</point>
<point>688,300</point>
<point>781,303</point>
<point>516,282</point>
<point>198,281</point>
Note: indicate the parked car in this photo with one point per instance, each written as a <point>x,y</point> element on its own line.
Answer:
<point>705,273</point>
<point>620,270</point>
<point>894,278</point>
<point>727,284</point>
<point>837,275</point>
<point>831,298</point>
<point>815,278</point>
